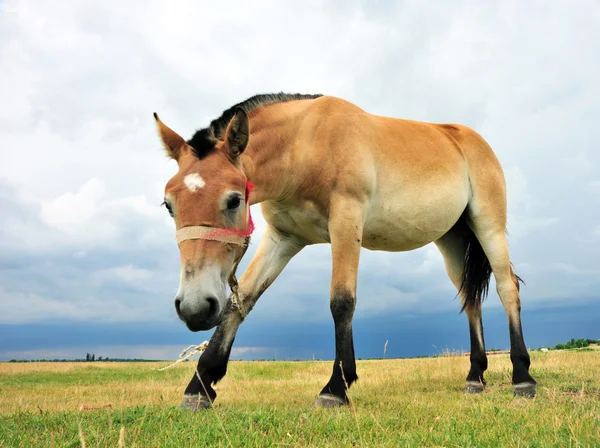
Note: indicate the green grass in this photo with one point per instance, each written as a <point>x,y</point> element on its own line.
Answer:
<point>88,374</point>
<point>417,402</point>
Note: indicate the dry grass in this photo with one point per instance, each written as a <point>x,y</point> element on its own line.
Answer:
<point>395,402</point>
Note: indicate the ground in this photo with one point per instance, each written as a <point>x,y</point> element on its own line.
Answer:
<point>404,402</point>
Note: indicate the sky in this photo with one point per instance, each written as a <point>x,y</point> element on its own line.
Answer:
<point>88,260</point>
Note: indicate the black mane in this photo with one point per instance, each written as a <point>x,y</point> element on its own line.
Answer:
<point>204,140</point>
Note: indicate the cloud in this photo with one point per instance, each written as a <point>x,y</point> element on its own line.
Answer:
<point>131,274</point>
<point>88,217</point>
<point>26,307</point>
<point>83,238</point>
<point>74,209</point>
<point>595,186</point>
<point>523,208</point>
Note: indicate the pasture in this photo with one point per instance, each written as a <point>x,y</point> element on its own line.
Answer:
<point>399,402</point>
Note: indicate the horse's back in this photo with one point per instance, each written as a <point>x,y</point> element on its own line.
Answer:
<point>415,178</point>
<point>418,177</point>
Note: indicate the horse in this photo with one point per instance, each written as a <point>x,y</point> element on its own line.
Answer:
<point>326,171</point>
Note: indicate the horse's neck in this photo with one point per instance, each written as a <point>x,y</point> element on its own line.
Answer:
<point>266,160</point>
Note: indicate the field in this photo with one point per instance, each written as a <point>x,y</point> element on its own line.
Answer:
<point>411,402</point>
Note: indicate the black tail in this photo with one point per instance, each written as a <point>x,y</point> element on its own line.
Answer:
<point>476,276</point>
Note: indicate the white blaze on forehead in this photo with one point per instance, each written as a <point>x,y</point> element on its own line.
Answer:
<point>194,182</point>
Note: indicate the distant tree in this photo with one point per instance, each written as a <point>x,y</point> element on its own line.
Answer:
<point>573,343</point>
<point>87,357</point>
<point>93,357</point>
<point>99,358</point>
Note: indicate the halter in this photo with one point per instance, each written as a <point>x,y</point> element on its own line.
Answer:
<point>227,236</point>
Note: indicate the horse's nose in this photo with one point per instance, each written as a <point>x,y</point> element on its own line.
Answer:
<point>200,313</point>
<point>213,304</point>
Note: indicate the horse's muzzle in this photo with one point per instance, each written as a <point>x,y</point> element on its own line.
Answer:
<point>199,314</point>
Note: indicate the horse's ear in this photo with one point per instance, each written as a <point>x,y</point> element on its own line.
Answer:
<point>172,141</point>
<point>237,133</point>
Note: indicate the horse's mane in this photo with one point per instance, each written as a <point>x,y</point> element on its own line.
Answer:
<point>204,140</point>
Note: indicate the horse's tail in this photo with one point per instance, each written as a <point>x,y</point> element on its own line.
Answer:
<point>476,274</point>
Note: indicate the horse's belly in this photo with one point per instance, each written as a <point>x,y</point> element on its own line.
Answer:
<point>407,222</point>
<point>303,219</point>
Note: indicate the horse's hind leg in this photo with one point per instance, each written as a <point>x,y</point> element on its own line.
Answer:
<point>453,247</point>
<point>493,241</point>
<point>486,217</point>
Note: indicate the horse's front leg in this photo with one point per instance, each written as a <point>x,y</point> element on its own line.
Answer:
<point>273,254</point>
<point>345,230</point>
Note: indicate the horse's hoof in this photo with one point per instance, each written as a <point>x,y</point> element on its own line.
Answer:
<point>329,401</point>
<point>525,390</point>
<point>194,402</point>
<point>473,387</point>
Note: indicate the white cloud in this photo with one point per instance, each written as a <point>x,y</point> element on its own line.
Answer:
<point>131,274</point>
<point>523,208</point>
<point>595,186</point>
<point>83,171</point>
<point>19,307</point>
<point>74,209</point>
<point>87,217</point>
<point>578,163</point>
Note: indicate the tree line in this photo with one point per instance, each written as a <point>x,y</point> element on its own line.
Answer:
<point>90,357</point>
<point>576,343</point>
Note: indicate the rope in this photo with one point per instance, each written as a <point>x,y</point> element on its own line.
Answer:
<point>184,355</point>
<point>237,299</point>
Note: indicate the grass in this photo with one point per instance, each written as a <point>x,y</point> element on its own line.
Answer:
<point>416,402</point>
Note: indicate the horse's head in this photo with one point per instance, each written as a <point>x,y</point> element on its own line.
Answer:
<point>207,198</point>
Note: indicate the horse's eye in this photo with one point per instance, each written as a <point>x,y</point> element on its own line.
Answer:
<point>168,207</point>
<point>233,203</point>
